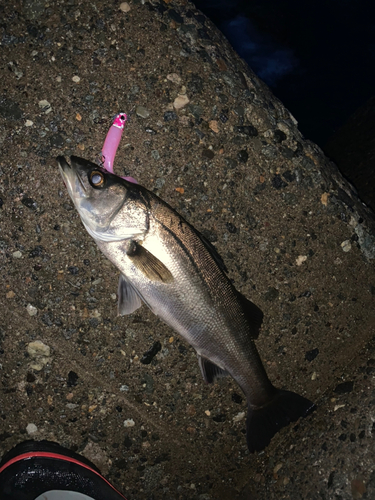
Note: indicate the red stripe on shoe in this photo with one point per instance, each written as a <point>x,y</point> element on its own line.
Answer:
<point>57,456</point>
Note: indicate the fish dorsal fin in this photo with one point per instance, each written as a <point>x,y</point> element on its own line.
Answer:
<point>212,250</point>
<point>253,315</point>
<point>148,264</point>
<point>128,299</point>
<point>209,370</point>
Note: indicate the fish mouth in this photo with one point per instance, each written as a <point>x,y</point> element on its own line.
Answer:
<point>64,166</point>
<point>70,174</point>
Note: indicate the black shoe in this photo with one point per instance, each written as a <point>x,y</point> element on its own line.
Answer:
<point>42,470</point>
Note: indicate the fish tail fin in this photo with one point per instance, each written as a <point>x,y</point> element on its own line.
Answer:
<point>263,423</point>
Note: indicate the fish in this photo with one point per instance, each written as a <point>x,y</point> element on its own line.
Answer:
<point>166,264</point>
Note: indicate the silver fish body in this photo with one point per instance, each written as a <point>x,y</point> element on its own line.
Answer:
<point>166,264</point>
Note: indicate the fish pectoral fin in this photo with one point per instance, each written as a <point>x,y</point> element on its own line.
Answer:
<point>253,314</point>
<point>128,299</point>
<point>209,370</point>
<point>148,264</point>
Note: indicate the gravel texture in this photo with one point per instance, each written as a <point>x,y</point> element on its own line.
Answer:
<point>126,391</point>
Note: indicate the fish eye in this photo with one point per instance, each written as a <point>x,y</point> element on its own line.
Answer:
<point>97,178</point>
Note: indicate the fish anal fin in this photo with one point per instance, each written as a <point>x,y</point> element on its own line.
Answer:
<point>253,314</point>
<point>128,299</point>
<point>148,264</point>
<point>263,423</point>
<point>209,370</point>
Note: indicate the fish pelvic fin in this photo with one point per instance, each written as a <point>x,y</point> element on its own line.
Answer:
<point>128,299</point>
<point>209,370</point>
<point>263,423</point>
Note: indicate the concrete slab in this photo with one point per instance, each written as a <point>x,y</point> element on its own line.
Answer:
<point>294,236</point>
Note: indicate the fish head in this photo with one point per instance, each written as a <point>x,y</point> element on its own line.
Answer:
<point>110,207</point>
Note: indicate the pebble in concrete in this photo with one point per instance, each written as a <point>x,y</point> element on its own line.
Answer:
<point>31,310</point>
<point>31,429</point>
<point>39,353</point>
<point>142,112</point>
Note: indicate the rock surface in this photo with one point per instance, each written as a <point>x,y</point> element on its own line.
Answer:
<point>294,236</point>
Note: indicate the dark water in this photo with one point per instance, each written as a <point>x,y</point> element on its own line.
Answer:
<point>317,57</point>
<point>319,60</point>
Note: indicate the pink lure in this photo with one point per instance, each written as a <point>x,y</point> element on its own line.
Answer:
<point>112,142</point>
